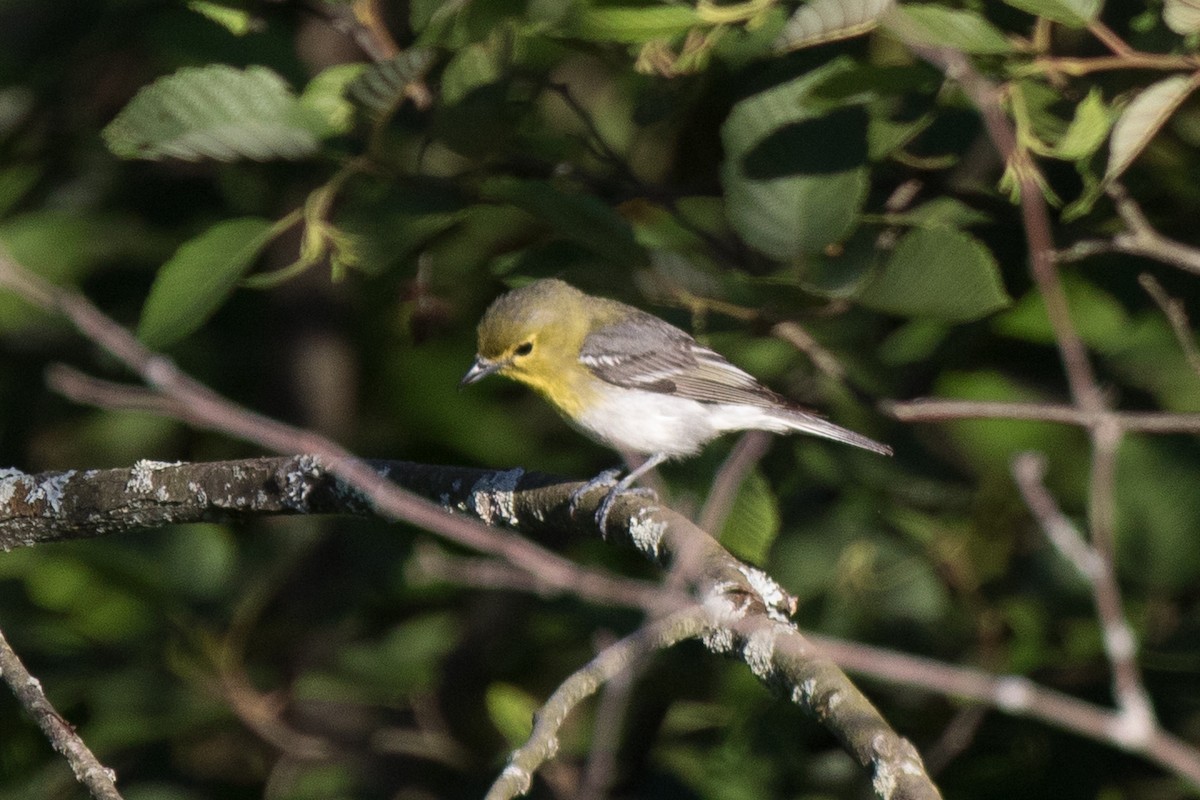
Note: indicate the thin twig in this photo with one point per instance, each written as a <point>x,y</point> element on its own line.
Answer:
<point>1015,695</point>
<point>929,409</point>
<point>99,779</point>
<point>1177,318</point>
<point>1137,720</point>
<point>748,451</point>
<point>543,742</point>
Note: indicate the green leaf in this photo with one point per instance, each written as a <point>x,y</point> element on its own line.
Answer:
<point>631,25</point>
<point>382,86</point>
<point>1156,507</point>
<point>1100,320</point>
<point>1087,130</point>
<point>940,212</point>
<point>1072,13</point>
<point>821,21</point>
<point>947,27</point>
<point>235,20</point>
<point>579,217</point>
<point>511,710</point>
<point>753,522</point>
<point>198,278</point>
<point>216,112</point>
<point>1143,118</point>
<point>786,217</point>
<point>325,96</point>
<point>940,273</point>
<point>15,183</point>
<point>1182,16</point>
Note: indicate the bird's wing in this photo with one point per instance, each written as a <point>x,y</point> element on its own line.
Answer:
<point>643,352</point>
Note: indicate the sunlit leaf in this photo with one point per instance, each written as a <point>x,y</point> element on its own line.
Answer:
<point>939,26</point>
<point>1182,16</point>
<point>198,278</point>
<point>823,21</point>
<point>325,95</point>
<point>511,710</point>
<point>940,273</point>
<point>631,25</point>
<point>216,112</point>
<point>237,21</point>
<point>1072,13</point>
<point>793,213</point>
<point>1087,130</point>
<point>1143,118</point>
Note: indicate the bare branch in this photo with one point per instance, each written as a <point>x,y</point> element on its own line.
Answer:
<point>543,742</point>
<point>1176,317</point>
<point>1095,565</point>
<point>99,780</point>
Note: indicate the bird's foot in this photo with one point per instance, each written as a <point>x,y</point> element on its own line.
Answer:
<point>607,503</point>
<point>608,478</point>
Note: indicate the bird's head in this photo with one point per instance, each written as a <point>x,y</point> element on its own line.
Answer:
<point>533,334</point>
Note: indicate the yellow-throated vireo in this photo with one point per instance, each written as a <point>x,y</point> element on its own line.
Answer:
<point>629,380</point>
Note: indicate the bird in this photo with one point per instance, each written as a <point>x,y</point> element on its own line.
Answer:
<point>629,380</point>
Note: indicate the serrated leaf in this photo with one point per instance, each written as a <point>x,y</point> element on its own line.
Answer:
<point>788,216</point>
<point>753,522</point>
<point>1182,16</point>
<point>961,30</point>
<point>579,217</point>
<point>940,273</point>
<point>381,86</point>
<point>1087,130</point>
<point>216,112</point>
<point>632,25</point>
<point>1142,119</point>
<point>1072,13</point>
<point>198,278</point>
<point>822,21</point>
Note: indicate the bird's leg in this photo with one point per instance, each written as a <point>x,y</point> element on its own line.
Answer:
<point>606,478</point>
<point>622,486</point>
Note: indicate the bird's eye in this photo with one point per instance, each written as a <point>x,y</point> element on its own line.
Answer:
<point>523,349</point>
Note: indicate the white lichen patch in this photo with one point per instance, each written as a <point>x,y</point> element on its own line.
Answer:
<point>296,482</point>
<point>759,652</point>
<point>198,492</point>
<point>780,604</point>
<point>802,693</point>
<point>50,491</point>
<point>141,477</point>
<point>892,764</point>
<point>10,481</point>
<point>493,497</point>
<point>646,533</point>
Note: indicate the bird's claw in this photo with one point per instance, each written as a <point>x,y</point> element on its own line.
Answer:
<point>607,503</point>
<point>607,478</point>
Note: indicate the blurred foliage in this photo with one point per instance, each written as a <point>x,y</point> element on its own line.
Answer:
<point>316,235</point>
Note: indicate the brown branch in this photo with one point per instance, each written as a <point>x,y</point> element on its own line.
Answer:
<point>739,596</point>
<point>1177,318</point>
<point>748,451</point>
<point>99,780</point>
<point>929,409</point>
<point>1018,696</point>
<point>1094,564</point>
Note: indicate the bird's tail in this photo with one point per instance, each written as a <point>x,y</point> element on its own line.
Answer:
<point>805,422</point>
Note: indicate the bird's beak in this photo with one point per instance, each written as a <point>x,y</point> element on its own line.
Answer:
<point>480,370</point>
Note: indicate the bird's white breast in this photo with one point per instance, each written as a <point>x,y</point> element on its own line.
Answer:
<point>653,422</point>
